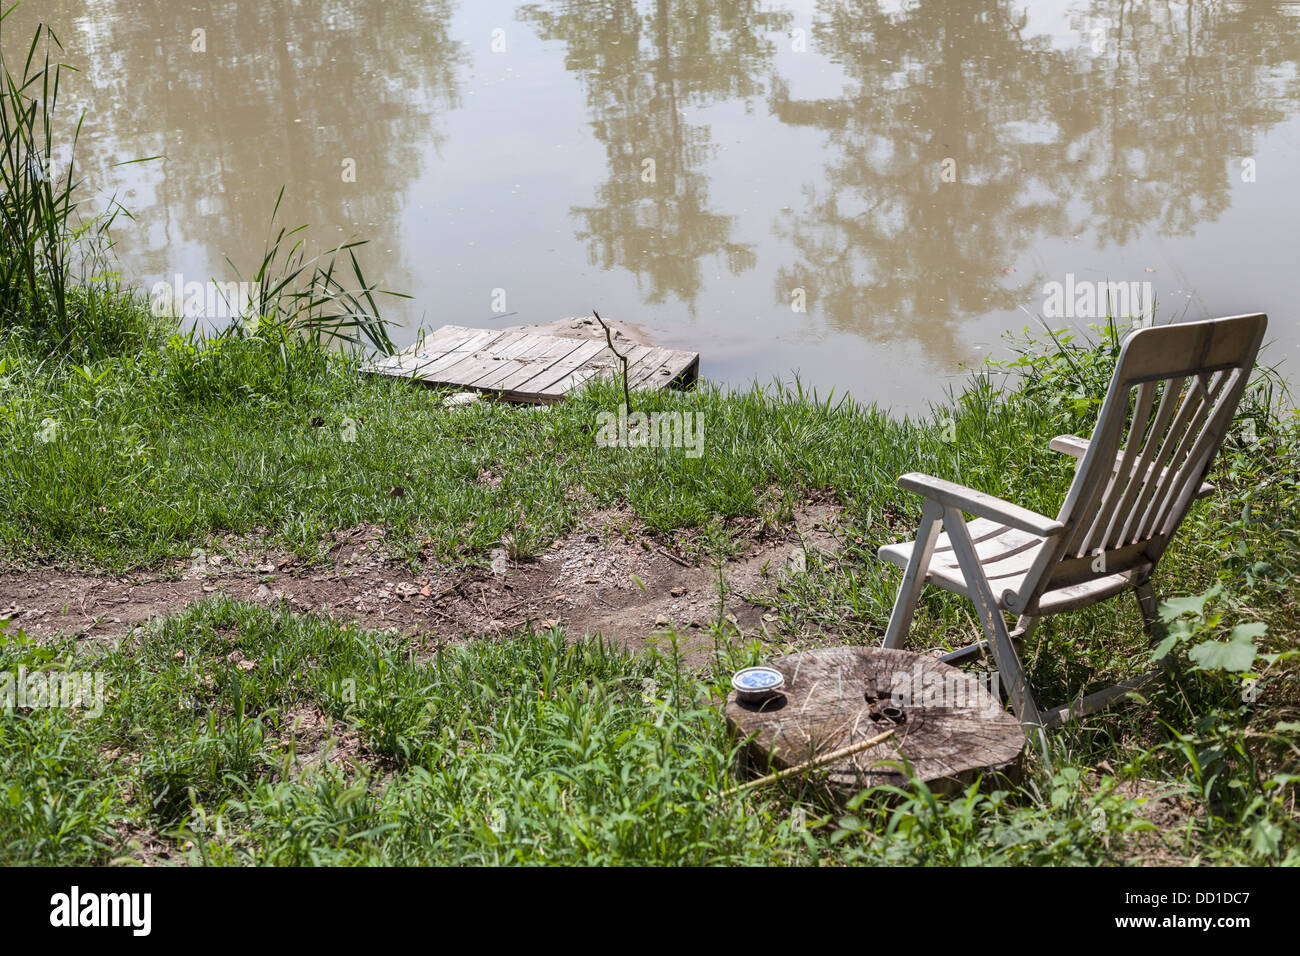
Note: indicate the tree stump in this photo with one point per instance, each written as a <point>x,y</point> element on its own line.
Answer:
<point>946,722</point>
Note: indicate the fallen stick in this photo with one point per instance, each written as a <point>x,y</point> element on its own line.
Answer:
<point>812,764</point>
<point>672,557</point>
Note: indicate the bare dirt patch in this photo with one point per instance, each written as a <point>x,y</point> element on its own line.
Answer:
<point>1166,807</point>
<point>611,578</point>
<point>147,847</point>
<point>314,739</point>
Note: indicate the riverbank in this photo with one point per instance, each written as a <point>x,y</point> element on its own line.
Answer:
<point>385,660</point>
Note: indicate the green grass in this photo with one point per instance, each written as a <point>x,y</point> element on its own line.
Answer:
<point>150,453</point>
<point>526,750</point>
<point>533,749</point>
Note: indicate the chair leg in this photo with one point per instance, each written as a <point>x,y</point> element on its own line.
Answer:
<point>962,653</point>
<point>1107,697</point>
<point>914,575</point>
<point>1097,702</point>
<point>995,626</point>
<point>1149,606</point>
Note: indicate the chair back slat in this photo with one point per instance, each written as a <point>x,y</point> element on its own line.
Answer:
<point>1191,413</point>
<point>1168,408</point>
<point>1171,391</point>
<point>1089,532</point>
<point>1178,489</point>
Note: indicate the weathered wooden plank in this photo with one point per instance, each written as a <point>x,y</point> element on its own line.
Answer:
<point>605,365</point>
<point>540,384</point>
<point>683,368</point>
<point>446,339</point>
<point>668,365</point>
<point>519,365</point>
<point>646,365</point>
<point>433,367</point>
<point>481,361</point>
<point>558,351</point>
<point>539,352</point>
<point>427,366</point>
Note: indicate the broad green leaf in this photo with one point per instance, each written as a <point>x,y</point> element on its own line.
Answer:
<point>1236,656</point>
<point>1171,608</point>
<point>1265,837</point>
<point>1248,632</point>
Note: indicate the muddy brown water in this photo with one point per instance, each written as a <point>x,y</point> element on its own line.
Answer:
<point>866,194</point>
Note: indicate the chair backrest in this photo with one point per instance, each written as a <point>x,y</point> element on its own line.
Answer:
<point>1168,408</point>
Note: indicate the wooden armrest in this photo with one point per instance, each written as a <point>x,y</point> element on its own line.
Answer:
<point>1077,447</point>
<point>952,495</point>
<point>1072,445</point>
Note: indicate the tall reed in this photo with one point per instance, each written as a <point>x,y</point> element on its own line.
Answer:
<point>309,295</point>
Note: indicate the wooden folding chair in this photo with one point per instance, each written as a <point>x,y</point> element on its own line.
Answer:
<point>1169,405</point>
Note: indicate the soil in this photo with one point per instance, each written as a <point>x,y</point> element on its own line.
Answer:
<point>612,578</point>
<point>1169,812</point>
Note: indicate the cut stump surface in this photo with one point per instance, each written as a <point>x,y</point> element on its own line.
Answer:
<point>945,721</point>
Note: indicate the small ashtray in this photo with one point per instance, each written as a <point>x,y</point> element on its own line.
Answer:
<point>756,684</point>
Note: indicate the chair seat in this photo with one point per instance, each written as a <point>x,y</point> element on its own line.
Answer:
<point>1006,556</point>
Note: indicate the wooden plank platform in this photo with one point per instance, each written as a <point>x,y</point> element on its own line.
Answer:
<point>521,366</point>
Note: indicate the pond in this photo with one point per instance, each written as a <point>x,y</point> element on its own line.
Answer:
<point>863,194</point>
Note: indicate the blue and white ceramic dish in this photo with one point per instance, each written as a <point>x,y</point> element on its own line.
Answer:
<point>755,684</point>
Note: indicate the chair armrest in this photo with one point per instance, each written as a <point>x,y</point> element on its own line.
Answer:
<point>952,495</point>
<point>1072,445</point>
<point>1077,447</point>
